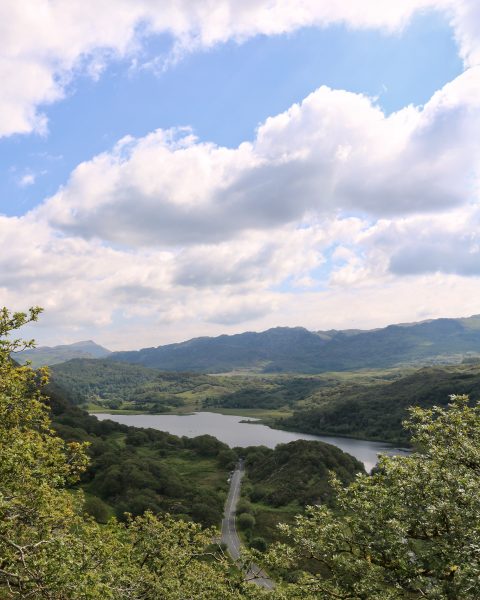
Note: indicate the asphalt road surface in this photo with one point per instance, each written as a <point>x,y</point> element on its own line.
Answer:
<point>229,530</point>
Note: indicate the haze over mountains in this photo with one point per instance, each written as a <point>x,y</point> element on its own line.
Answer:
<point>284,349</point>
<point>46,355</point>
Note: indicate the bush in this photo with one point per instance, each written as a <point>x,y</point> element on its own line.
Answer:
<point>246,521</point>
<point>258,543</point>
<point>244,506</point>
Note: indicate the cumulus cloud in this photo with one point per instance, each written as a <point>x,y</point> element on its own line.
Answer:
<point>440,244</point>
<point>83,283</point>
<point>135,297</point>
<point>465,18</point>
<point>258,258</point>
<point>335,153</point>
<point>45,45</point>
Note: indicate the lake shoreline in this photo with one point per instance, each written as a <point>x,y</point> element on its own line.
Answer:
<point>255,419</point>
<point>235,432</point>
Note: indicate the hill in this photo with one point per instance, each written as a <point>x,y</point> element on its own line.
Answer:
<point>284,349</point>
<point>46,355</point>
<point>132,470</point>
<point>112,385</point>
<point>280,483</point>
<point>376,411</point>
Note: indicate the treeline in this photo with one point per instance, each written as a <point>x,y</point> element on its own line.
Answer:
<point>377,411</point>
<point>269,393</point>
<point>133,470</point>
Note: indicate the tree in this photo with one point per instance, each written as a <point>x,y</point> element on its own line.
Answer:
<point>409,531</point>
<point>95,507</point>
<point>49,548</point>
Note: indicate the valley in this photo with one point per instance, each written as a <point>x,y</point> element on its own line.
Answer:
<point>157,447</point>
<point>364,404</point>
<point>166,440</point>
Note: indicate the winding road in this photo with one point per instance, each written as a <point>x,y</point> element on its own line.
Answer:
<point>229,530</point>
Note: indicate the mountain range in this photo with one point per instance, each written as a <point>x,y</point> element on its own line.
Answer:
<point>295,349</point>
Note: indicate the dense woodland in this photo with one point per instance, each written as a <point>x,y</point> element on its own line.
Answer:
<point>376,411</point>
<point>280,483</point>
<point>116,385</point>
<point>132,470</point>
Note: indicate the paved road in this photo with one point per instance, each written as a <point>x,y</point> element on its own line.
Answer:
<point>229,529</point>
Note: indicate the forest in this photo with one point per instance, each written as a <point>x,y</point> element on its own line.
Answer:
<point>376,411</point>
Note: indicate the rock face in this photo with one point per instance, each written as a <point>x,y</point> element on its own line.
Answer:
<point>286,349</point>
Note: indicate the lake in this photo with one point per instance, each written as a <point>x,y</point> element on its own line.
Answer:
<point>232,431</point>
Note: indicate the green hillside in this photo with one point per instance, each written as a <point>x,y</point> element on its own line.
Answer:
<point>111,385</point>
<point>132,470</point>
<point>376,411</point>
<point>280,483</point>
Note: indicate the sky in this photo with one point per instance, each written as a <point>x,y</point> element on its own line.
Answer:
<point>173,169</point>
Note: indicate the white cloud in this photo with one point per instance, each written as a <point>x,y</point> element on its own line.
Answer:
<point>335,153</point>
<point>27,180</point>
<point>134,298</point>
<point>381,303</point>
<point>85,284</point>
<point>465,18</point>
<point>448,244</point>
<point>44,44</point>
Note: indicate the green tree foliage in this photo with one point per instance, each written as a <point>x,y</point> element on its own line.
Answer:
<point>298,472</point>
<point>271,393</point>
<point>114,385</point>
<point>134,470</point>
<point>409,531</point>
<point>246,521</point>
<point>258,543</point>
<point>97,509</point>
<point>376,410</point>
<point>49,548</point>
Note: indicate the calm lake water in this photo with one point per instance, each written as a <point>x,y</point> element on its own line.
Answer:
<point>230,430</point>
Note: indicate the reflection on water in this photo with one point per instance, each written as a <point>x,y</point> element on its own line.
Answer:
<point>232,431</point>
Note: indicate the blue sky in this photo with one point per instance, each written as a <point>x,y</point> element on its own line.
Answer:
<point>267,205</point>
<point>224,93</point>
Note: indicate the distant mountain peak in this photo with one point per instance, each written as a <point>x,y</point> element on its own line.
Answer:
<point>52,355</point>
